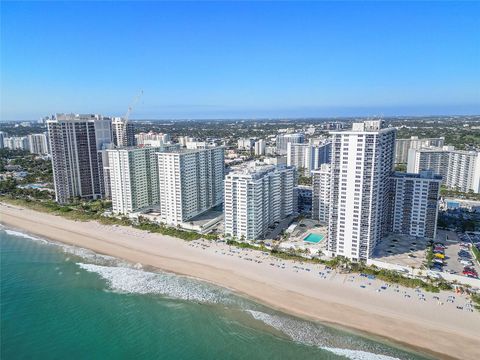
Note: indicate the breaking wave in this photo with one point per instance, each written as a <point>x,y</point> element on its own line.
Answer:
<point>130,280</point>
<point>23,235</point>
<point>124,277</point>
<point>316,335</point>
<point>70,249</point>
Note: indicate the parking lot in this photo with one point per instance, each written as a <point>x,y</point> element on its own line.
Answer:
<point>453,245</point>
<point>411,252</point>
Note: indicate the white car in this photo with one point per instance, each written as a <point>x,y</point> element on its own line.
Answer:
<point>466,262</point>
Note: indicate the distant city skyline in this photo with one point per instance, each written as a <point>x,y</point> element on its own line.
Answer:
<point>240,59</point>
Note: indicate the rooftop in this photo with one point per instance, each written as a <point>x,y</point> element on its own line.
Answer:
<point>425,174</point>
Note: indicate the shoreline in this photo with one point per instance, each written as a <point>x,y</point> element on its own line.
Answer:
<point>417,326</point>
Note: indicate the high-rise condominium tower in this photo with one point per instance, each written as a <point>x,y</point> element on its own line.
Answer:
<point>402,146</point>
<point>133,178</point>
<point>283,139</point>
<point>260,147</point>
<point>3,135</point>
<point>256,196</point>
<point>431,158</point>
<point>123,132</point>
<point>16,143</point>
<point>190,182</point>
<point>361,169</point>
<point>308,157</point>
<point>75,142</point>
<point>38,144</point>
<point>415,204</point>
<point>464,171</point>
<point>459,169</point>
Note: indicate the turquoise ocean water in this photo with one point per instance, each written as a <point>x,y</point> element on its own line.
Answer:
<point>61,302</point>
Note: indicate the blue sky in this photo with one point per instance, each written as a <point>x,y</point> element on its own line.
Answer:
<point>240,59</point>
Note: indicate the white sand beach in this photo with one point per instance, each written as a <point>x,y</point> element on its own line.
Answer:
<point>406,316</point>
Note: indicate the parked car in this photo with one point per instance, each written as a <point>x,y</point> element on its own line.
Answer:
<point>466,262</point>
<point>470,272</point>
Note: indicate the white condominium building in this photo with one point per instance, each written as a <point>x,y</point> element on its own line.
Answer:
<point>197,145</point>
<point>190,183</point>
<point>152,139</point>
<point>123,132</point>
<point>3,135</point>
<point>183,140</point>
<point>245,144</point>
<point>402,146</point>
<point>38,144</point>
<point>308,157</point>
<point>16,143</point>
<point>464,171</point>
<point>432,158</point>
<point>361,168</point>
<point>76,142</point>
<point>256,196</point>
<point>459,169</point>
<point>415,204</point>
<point>260,146</point>
<point>133,178</point>
<point>283,139</point>
<point>321,194</point>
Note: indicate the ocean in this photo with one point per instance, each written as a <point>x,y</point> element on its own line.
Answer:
<point>60,302</point>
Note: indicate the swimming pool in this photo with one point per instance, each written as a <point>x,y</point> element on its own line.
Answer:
<point>314,238</point>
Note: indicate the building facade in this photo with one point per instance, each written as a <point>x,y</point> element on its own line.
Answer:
<point>75,142</point>
<point>321,194</point>
<point>304,197</point>
<point>433,158</point>
<point>16,143</point>
<point>415,204</point>
<point>283,139</point>
<point>190,183</point>
<point>459,169</point>
<point>123,132</point>
<point>3,135</point>
<point>402,146</point>
<point>152,139</point>
<point>37,144</point>
<point>257,196</point>
<point>464,171</point>
<point>260,147</point>
<point>133,174</point>
<point>360,196</point>
<point>245,144</point>
<point>308,157</point>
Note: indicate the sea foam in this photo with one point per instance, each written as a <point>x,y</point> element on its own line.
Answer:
<point>314,335</point>
<point>23,235</point>
<point>71,249</point>
<point>131,280</point>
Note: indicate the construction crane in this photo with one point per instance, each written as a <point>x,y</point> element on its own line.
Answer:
<point>130,108</point>
<point>127,115</point>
